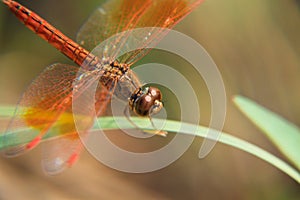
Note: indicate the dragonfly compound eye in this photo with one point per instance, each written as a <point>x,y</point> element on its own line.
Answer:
<point>146,102</point>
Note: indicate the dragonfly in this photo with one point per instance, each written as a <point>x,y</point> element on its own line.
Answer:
<point>46,105</point>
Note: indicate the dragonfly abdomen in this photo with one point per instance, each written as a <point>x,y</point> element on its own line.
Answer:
<point>46,31</point>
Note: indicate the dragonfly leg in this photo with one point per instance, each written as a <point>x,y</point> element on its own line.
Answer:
<point>156,131</point>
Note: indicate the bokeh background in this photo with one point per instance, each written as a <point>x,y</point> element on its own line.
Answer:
<point>256,46</point>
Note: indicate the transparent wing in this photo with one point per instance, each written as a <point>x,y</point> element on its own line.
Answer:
<point>41,105</point>
<point>117,16</point>
<point>46,109</point>
<point>112,17</point>
<point>62,152</point>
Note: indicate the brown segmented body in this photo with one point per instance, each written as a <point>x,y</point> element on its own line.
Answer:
<point>46,31</point>
<point>110,71</point>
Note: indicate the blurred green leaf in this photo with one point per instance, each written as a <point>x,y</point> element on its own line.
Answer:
<point>285,135</point>
<point>113,123</point>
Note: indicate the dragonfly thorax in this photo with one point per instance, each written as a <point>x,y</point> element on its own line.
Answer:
<point>120,68</point>
<point>113,72</point>
<point>145,102</point>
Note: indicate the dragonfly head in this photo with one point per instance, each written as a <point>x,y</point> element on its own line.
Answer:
<point>146,101</point>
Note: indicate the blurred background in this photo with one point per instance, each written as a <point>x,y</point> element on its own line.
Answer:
<point>256,46</point>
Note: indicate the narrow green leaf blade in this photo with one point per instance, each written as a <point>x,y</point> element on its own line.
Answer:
<point>285,135</point>
<point>109,123</point>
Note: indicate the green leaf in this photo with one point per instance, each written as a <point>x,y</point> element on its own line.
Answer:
<point>109,123</point>
<point>6,111</point>
<point>285,135</point>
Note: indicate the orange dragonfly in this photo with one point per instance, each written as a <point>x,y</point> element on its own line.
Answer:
<point>46,105</point>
